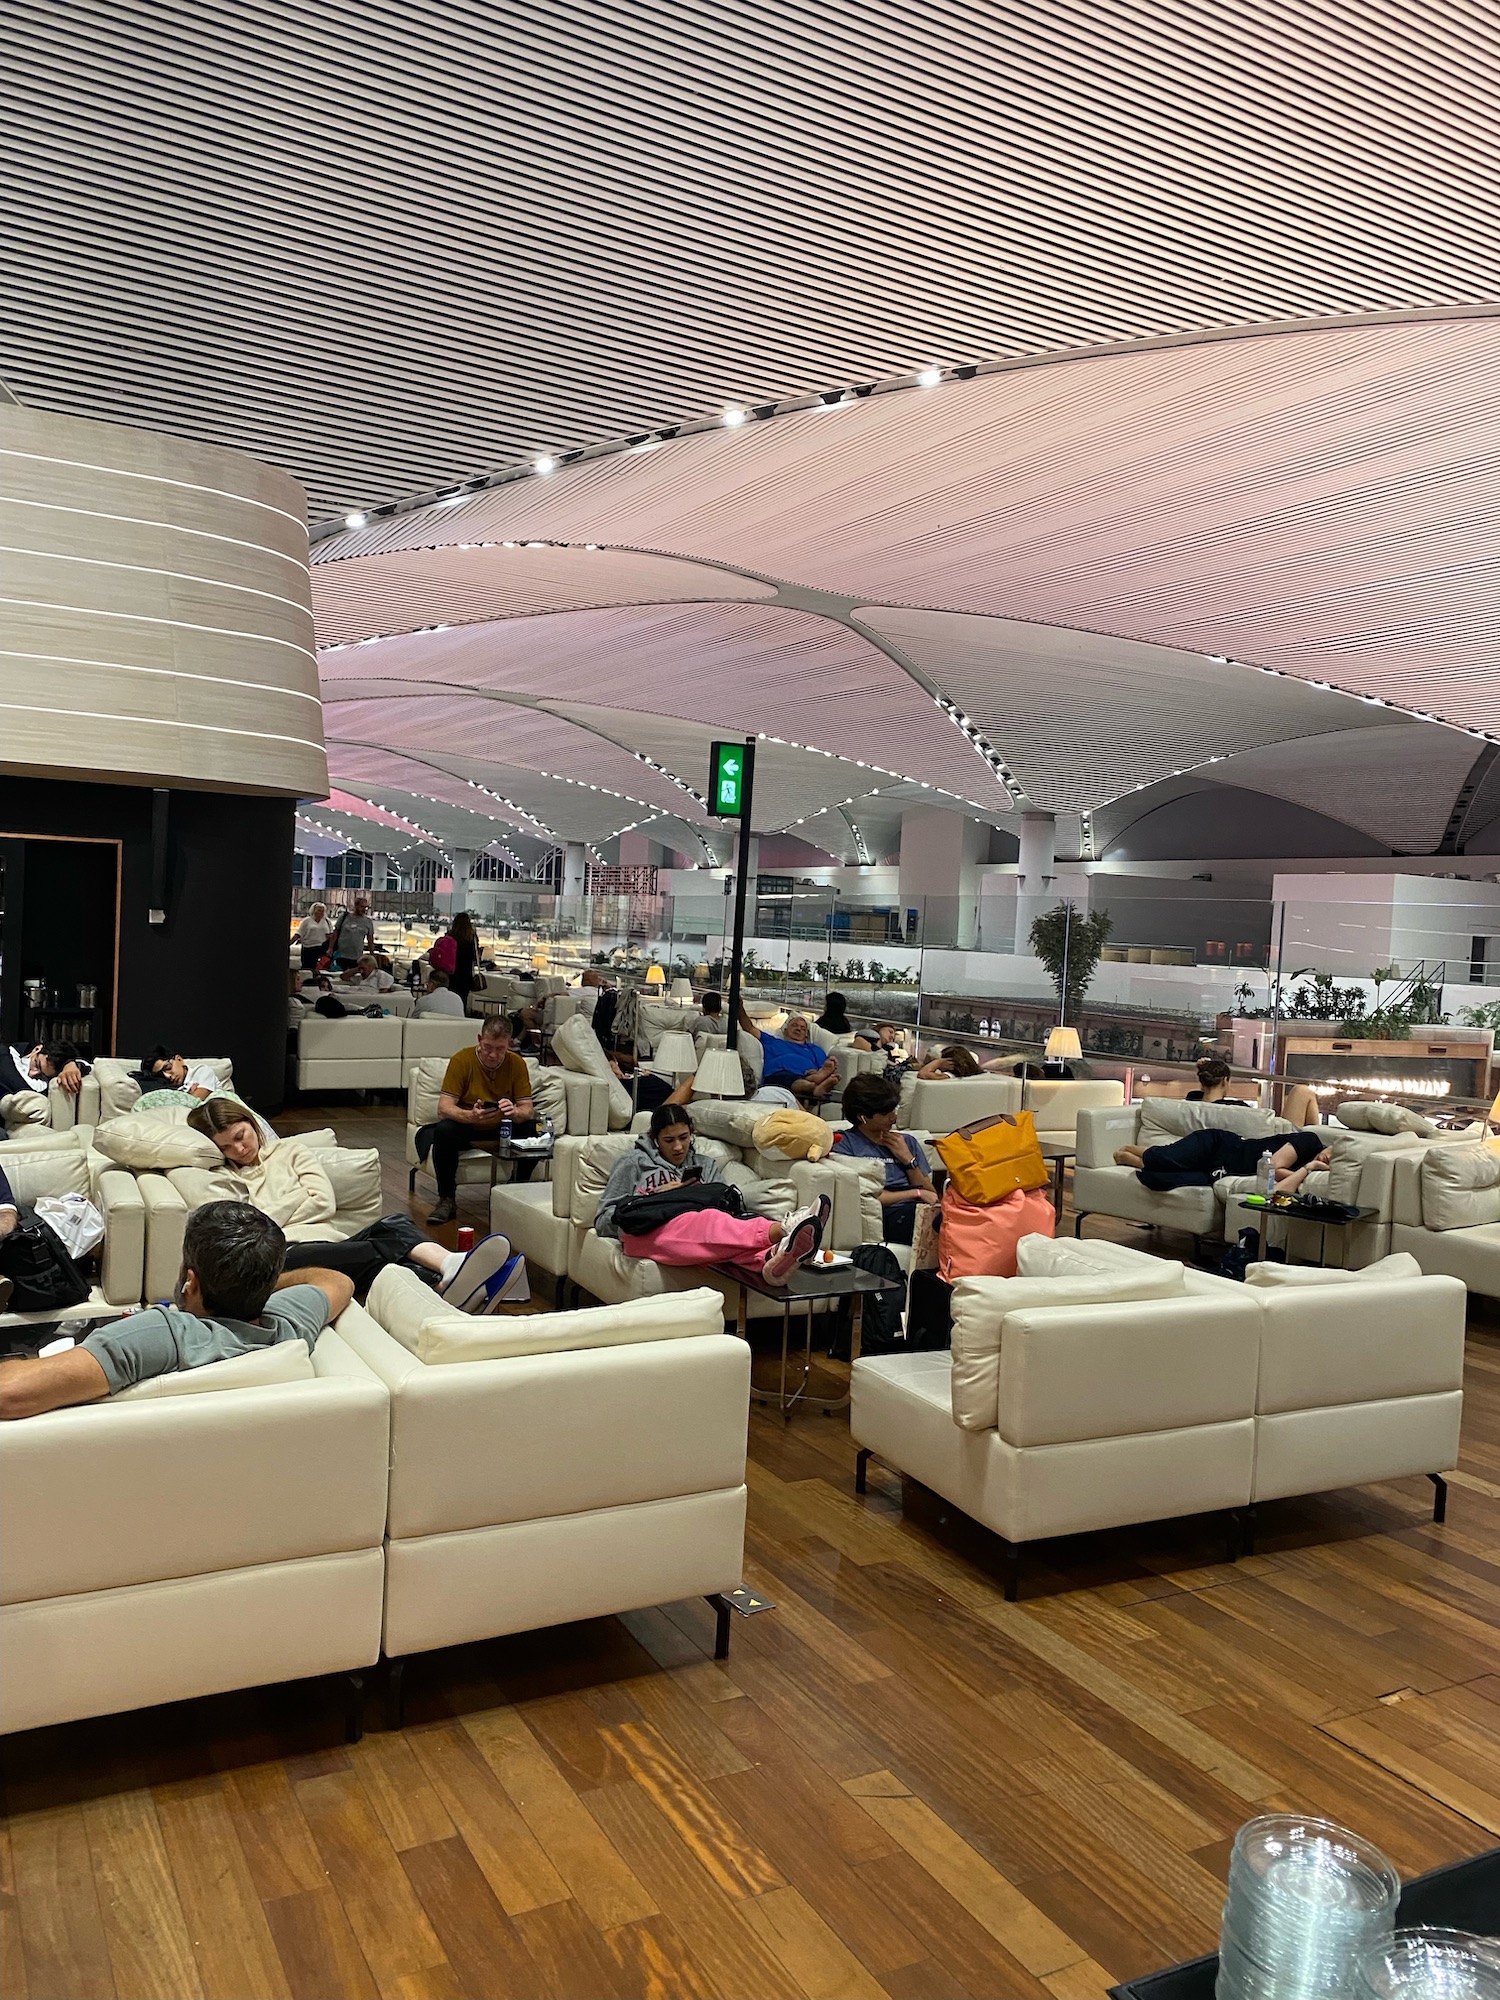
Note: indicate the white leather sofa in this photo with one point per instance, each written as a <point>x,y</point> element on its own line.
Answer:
<point>1145,1391</point>
<point>939,1105</point>
<point>115,1090</point>
<point>574,1102</point>
<point>165,1545</point>
<point>353,1054</point>
<point>1055,1104</point>
<point>65,1168</point>
<point>1102,1188</point>
<point>553,1467</point>
<point>1446,1212</point>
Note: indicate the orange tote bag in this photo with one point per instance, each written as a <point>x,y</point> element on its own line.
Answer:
<point>994,1157</point>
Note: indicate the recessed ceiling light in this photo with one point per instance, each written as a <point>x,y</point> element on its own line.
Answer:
<point>355,520</point>
<point>544,465</point>
<point>733,418</point>
<point>929,378</point>
<point>651,444</point>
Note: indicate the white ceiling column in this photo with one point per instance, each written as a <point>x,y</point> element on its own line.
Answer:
<point>1034,874</point>
<point>575,867</point>
<point>463,865</point>
<point>941,855</point>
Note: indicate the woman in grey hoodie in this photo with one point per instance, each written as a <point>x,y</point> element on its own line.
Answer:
<point>664,1159</point>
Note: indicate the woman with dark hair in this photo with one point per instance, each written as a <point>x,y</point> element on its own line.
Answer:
<point>953,1061</point>
<point>285,1179</point>
<point>465,957</point>
<point>870,1106</point>
<point>834,1019</point>
<point>663,1160</point>
<point>1214,1076</point>
<point>1198,1159</point>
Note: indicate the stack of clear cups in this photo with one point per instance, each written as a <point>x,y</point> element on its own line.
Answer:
<point>1431,1964</point>
<point>1308,1902</point>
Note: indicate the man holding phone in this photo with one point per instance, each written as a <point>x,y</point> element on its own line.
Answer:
<point>482,1087</point>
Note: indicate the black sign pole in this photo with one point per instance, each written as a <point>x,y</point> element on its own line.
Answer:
<point>742,876</point>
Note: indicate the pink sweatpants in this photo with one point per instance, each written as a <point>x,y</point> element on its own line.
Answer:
<point>704,1237</point>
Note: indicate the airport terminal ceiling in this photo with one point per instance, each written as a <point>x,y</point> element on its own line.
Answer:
<point>1056,407</point>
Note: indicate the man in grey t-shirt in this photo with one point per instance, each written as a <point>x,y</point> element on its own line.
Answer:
<point>353,935</point>
<point>232,1298</point>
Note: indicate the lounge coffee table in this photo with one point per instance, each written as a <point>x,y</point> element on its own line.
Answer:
<point>1057,1152</point>
<point>1302,1211</point>
<point>805,1287</point>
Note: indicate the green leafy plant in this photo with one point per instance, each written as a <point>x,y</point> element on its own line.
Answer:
<point>1069,943</point>
<point>1323,1000</point>
<point>1487,1016</point>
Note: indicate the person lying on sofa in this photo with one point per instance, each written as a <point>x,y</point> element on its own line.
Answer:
<point>232,1298</point>
<point>870,1106</point>
<point>164,1069</point>
<point>286,1180</point>
<point>34,1069</point>
<point>794,1049</point>
<point>954,1061</point>
<point>665,1160</point>
<point>481,1087</point>
<point>1198,1159</point>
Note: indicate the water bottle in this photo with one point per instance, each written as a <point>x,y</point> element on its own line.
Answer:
<point>1265,1175</point>
<point>547,1130</point>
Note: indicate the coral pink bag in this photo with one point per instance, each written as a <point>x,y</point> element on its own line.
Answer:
<point>981,1242</point>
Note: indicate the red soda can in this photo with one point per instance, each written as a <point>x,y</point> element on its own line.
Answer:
<point>466,1239</point>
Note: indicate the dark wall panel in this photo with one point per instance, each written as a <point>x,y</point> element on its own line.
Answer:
<point>212,978</point>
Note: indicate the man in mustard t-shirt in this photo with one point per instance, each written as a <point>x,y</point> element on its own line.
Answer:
<point>481,1086</point>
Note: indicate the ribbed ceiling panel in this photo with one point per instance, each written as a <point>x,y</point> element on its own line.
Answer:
<point>388,245</point>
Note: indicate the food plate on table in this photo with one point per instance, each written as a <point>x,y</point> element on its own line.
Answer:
<point>829,1260</point>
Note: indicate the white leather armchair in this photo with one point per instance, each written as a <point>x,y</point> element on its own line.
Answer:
<point>1055,1105</point>
<point>939,1105</point>
<point>115,1090</point>
<point>575,1103</point>
<point>1102,1188</point>
<point>552,1467</point>
<point>65,1169</point>
<point>161,1549</point>
<point>1445,1207</point>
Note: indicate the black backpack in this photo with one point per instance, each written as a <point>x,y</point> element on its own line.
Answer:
<point>44,1277</point>
<point>880,1321</point>
<point>639,1214</point>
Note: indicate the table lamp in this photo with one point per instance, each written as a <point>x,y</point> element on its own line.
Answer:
<point>675,1053</point>
<point>1063,1046</point>
<point>681,989</point>
<point>719,1074</point>
<point>655,976</point>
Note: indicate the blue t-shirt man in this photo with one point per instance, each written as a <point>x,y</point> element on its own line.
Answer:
<point>856,1144</point>
<point>796,1058</point>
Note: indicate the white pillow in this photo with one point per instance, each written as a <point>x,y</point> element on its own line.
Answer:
<point>549,1097</point>
<point>1164,1119</point>
<point>354,1176</point>
<point>287,1361</point>
<point>1076,1257</point>
<point>577,1048</point>
<point>1460,1186</point>
<point>727,1119</point>
<point>1362,1115</point>
<point>1385,1270</point>
<point>980,1306</point>
<point>149,1144</point>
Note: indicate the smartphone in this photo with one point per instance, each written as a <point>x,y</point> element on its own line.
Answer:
<point>692,1174</point>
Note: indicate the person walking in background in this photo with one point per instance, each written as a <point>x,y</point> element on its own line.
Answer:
<point>353,935</point>
<point>312,936</point>
<point>465,956</point>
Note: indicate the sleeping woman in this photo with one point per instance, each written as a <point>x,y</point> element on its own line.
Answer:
<point>1198,1159</point>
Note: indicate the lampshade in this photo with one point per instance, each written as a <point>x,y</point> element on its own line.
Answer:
<point>1063,1045</point>
<point>719,1074</point>
<point>655,976</point>
<point>681,989</point>
<point>675,1052</point>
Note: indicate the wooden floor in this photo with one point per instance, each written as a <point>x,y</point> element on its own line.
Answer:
<point>898,1784</point>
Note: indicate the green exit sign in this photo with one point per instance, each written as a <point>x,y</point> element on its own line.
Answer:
<point>726,780</point>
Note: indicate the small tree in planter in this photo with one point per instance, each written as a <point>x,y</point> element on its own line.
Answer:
<point>1069,943</point>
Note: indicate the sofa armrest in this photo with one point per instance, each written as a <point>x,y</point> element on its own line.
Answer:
<point>166,1219</point>
<point>1101,1131</point>
<point>122,1267</point>
<point>855,1196</point>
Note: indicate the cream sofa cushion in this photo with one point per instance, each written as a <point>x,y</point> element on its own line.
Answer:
<point>413,1314</point>
<point>980,1307</point>
<point>287,1361</point>
<point>1164,1119</point>
<point>549,1098</point>
<point>1385,1270</point>
<point>354,1175</point>
<point>1460,1186</point>
<point>577,1047</point>
<point>149,1144</point>
<point>731,1122</point>
<point>24,1107</point>
<point>1351,1150</point>
<point>41,1170</point>
<point>1363,1116</point>
<point>1078,1257</point>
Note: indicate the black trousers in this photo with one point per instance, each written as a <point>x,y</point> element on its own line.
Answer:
<point>311,954</point>
<point>450,1139</point>
<point>361,1257</point>
<point>898,1220</point>
<point>1198,1159</point>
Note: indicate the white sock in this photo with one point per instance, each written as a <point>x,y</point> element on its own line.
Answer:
<point>451,1264</point>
